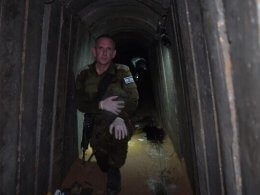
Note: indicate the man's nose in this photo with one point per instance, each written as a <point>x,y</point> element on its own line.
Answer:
<point>104,52</point>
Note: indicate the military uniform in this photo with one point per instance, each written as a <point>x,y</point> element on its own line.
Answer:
<point>109,151</point>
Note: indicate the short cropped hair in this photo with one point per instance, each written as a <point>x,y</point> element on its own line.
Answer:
<point>107,36</point>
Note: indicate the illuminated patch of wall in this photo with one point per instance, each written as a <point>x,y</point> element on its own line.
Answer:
<point>165,87</point>
<point>258,12</point>
<point>82,58</point>
<point>83,54</point>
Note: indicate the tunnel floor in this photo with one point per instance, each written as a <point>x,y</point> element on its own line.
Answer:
<point>153,168</point>
<point>150,168</point>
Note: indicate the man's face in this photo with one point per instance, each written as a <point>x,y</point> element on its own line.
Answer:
<point>104,52</point>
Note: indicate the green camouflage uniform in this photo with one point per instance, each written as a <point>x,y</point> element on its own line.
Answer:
<point>109,151</point>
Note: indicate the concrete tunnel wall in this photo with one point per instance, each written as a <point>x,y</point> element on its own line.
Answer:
<point>218,40</point>
<point>82,57</point>
<point>165,93</point>
<point>215,48</point>
<point>37,123</point>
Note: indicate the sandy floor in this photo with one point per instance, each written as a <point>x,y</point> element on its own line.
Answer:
<point>150,169</point>
<point>153,169</point>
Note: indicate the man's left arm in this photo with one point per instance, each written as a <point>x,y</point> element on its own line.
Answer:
<point>129,86</point>
<point>131,103</point>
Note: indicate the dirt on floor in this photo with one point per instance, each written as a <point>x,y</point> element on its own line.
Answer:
<point>150,169</point>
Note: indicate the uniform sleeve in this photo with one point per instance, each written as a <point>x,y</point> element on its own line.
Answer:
<point>131,101</point>
<point>83,103</point>
<point>130,88</point>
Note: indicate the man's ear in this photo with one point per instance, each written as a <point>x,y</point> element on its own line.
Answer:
<point>94,53</point>
<point>114,54</point>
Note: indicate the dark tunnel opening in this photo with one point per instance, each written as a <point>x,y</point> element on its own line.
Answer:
<point>129,47</point>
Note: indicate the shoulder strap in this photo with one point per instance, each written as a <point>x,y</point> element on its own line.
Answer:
<point>103,85</point>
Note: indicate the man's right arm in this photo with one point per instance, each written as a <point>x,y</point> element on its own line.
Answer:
<point>94,106</point>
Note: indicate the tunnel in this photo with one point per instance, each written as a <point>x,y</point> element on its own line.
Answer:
<point>202,85</point>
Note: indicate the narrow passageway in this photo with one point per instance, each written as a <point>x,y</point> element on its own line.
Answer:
<point>142,44</point>
<point>196,64</point>
<point>152,166</point>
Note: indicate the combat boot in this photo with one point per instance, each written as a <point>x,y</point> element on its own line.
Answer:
<point>113,181</point>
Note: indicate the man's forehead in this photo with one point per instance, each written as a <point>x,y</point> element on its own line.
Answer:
<point>105,41</point>
<point>105,38</point>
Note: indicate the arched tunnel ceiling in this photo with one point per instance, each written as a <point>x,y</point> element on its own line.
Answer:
<point>156,5</point>
<point>116,16</point>
<point>120,18</point>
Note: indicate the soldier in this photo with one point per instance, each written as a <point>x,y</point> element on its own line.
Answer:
<point>108,92</point>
